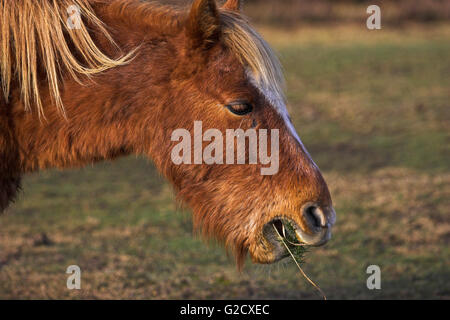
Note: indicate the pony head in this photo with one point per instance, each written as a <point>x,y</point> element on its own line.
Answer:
<point>228,78</point>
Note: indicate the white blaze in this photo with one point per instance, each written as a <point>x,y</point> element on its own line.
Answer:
<point>278,103</point>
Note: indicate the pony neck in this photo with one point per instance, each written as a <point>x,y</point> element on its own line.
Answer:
<point>116,113</point>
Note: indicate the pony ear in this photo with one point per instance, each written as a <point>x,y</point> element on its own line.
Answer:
<point>233,5</point>
<point>203,23</point>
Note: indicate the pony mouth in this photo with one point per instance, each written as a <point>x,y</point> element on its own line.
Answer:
<point>283,230</point>
<point>283,234</point>
<point>279,226</point>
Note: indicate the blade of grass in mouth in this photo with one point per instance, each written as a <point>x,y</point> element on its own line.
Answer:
<point>298,265</point>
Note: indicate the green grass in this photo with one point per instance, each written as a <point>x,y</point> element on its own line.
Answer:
<point>385,104</point>
<point>373,110</point>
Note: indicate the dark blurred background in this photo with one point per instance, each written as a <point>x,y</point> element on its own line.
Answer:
<point>291,12</point>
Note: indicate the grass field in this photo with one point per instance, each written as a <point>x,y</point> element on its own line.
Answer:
<point>372,107</point>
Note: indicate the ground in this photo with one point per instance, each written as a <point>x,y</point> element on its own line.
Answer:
<point>372,107</point>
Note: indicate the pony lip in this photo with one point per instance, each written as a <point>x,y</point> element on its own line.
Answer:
<point>316,240</point>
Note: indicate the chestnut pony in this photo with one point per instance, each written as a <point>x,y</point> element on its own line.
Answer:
<point>92,80</point>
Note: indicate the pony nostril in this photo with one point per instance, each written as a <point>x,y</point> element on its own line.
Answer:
<point>314,216</point>
<point>316,226</point>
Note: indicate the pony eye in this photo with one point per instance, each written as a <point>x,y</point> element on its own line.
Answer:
<point>240,108</point>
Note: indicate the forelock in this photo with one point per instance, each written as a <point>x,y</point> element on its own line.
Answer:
<point>262,64</point>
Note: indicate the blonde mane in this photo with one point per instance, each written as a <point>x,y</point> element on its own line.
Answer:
<point>34,32</point>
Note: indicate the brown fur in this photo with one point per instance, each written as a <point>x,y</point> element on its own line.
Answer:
<point>185,68</point>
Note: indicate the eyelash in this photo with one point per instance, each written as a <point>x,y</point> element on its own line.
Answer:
<point>233,107</point>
